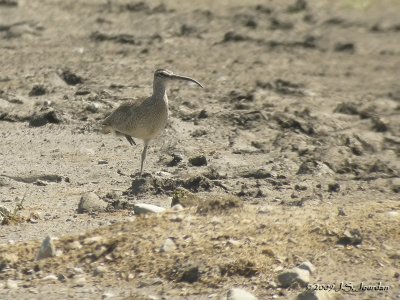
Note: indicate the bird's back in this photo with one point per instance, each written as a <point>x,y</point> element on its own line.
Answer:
<point>144,118</point>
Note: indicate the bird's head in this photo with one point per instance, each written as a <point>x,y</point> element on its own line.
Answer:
<point>164,76</point>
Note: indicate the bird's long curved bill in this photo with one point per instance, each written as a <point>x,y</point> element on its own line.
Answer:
<point>179,77</point>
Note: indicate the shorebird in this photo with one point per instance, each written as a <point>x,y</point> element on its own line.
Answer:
<point>146,118</point>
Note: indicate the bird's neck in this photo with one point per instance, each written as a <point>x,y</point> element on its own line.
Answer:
<point>159,89</point>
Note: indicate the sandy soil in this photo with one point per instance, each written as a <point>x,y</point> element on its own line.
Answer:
<point>299,118</point>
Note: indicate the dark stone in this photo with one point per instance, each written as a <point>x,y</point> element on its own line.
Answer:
<point>345,47</point>
<point>43,118</point>
<point>334,187</point>
<point>190,274</point>
<point>70,78</point>
<point>203,114</point>
<point>347,108</point>
<point>350,238</point>
<point>198,161</point>
<point>232,36</point>
<point>298,6</point>
<point>37,90</point>
<point>176,159</point>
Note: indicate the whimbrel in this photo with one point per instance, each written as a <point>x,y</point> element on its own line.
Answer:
<point>146,118</point>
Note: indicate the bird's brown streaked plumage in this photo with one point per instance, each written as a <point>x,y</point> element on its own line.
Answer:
<point>145,118</point>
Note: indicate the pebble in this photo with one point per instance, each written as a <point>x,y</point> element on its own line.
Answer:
<point>239,294</point>
<point>11,284</point>
<point>392,214</point>
<point>177,207</point>
<point>198,161</point>
<point>143,208</point>
<point>107,295</point>
<point>91,202</point>
<point>190,274</point>
<point>288,277</point>
<point>79,280</point>
<point>50,277</point>
<point>75,245</point>
<point>47,249</point>
<point>93,239</point>
<point>100,270</point>
<point>264,210</point>
<point>307,266</point>
<point>168,246</point>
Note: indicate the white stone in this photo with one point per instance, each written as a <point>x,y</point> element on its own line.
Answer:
<point>392,214</point>
<point>50,277</point>
<point>143,208</point>
<point>79,280</point>
<point>168,246</point>
<point>11,284</point>
<point>177,207</point>
<point>239,294</point>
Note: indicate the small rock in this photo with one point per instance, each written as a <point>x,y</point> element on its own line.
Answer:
<point>168,246</point>
<point>102,162</point>
<point>75,245</point>
<point>334,187</point>
<point>47,249</point>
<point>100,270</point>
<point>190,274</point>
<point>177,207</point>
<point>70,78</point>
<point>295,275</point>
<point>392,214</point>
<point>198,161</point>
<point>79,281</point>
<point>176,159</point>
<point>37,90</point>
<point>350,238</point>
<point>93,240</point>
<point>78,270</point>
<point>185,198</point>
<point>344,47</point>
<point>9,3</point>
<point>93,107</point>
<point>307,266</point>
<point>341,212</point>
<point>264,210</point>
<point>239,294</point>
<point>107,295</point>
<point>44,117</point>
<point>50,277</point>
<point>143,208</point>
<point>91,202</point>
<point>11,284</point>
<point>203,114</point>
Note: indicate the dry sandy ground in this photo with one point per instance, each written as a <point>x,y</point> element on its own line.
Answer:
<point>299,118</point>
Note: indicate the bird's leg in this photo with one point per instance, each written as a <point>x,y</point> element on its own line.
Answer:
<point>146,143</point>
<point>130,140</point>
